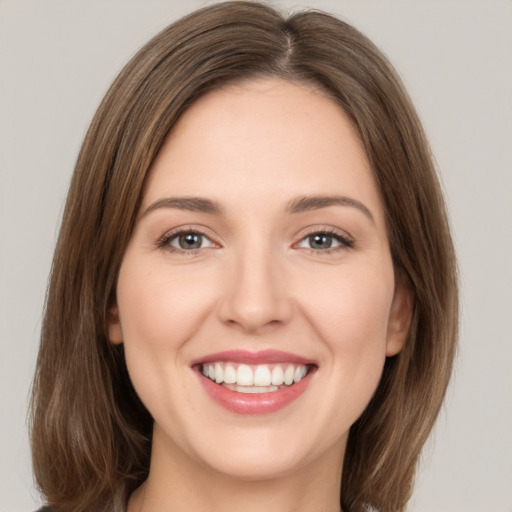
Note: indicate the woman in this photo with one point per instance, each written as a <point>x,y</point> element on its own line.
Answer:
<point>253,301</point>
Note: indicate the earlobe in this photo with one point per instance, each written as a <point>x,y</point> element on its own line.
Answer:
<point>115,333</point>
<point>400,318</point>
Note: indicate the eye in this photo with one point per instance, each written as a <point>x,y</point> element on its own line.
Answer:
<point>187,241</point>
<point>323,241</point>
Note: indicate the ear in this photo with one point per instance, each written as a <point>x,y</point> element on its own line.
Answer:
<point>400,317</point>
<point>115,333</point>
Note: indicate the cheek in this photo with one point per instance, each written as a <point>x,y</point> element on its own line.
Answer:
<point>348,316</point>
<point>159,308</point>
<point>159,313</point>
<point>351,314</point>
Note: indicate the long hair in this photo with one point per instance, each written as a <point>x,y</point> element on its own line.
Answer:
<point>91,435</point>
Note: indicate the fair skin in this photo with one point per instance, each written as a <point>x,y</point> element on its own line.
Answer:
<point>250,265</point>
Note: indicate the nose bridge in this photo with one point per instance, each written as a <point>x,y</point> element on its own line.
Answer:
<point>255,296</point>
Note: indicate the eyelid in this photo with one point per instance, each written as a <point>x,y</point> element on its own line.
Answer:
<point>163,241</point>
<point>345,239</point>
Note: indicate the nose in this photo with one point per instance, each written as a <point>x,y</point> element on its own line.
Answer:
<point>255,297</point>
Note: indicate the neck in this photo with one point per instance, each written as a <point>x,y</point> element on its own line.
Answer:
<point>179,483</point>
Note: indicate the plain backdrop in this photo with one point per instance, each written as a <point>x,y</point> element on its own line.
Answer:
<point>57,59</point>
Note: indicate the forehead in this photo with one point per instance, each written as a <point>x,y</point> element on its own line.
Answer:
<point>266,139</point>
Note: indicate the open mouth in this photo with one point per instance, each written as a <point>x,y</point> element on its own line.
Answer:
<point>260,378</point>
<point>254,383</point>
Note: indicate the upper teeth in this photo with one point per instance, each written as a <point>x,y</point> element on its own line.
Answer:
<point>254,375</point>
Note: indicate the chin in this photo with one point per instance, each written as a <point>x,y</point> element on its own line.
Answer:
<point>252,463</point>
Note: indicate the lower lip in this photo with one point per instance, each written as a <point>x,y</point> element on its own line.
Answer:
<point>257,403</point>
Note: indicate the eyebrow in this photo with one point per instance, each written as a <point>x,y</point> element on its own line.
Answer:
<point>297,205</point>
<point>309,203</point>
<point>192,204</point>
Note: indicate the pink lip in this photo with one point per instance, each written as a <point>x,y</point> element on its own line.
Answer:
<point>257,403</point>
<point>246,357</point>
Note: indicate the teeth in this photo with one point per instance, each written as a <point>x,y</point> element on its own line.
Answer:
<point>251,389</point>
<point>219,373</point>
<point>254,379</point>
<point>277,375</point>
<point>299,374</point>
<point>229,374</point>
<point>244,375</point>
<point>262,376</point>
<point>288,375</point>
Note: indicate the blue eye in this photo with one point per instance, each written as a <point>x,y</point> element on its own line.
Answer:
<point>188,241</point>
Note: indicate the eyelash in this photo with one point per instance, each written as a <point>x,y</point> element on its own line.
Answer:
<point>164,242</point>
<point>345,242</point>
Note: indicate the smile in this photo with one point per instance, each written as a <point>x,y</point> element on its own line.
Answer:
<point>263,378</point>
<point>254,383</point>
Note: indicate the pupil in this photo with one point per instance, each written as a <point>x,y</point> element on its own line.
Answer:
<point>190,241</point>
<point>320,241</point>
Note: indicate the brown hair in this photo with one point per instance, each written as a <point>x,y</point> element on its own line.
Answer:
<point>91,435</point>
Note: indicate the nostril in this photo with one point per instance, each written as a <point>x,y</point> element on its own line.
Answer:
<point>255,302</point>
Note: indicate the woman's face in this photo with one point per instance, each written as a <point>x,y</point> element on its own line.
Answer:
<point>260,256</point>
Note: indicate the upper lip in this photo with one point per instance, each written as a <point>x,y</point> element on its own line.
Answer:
<point>246,357</point>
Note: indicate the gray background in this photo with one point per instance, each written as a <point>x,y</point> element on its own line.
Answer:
<point>58,57</point>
